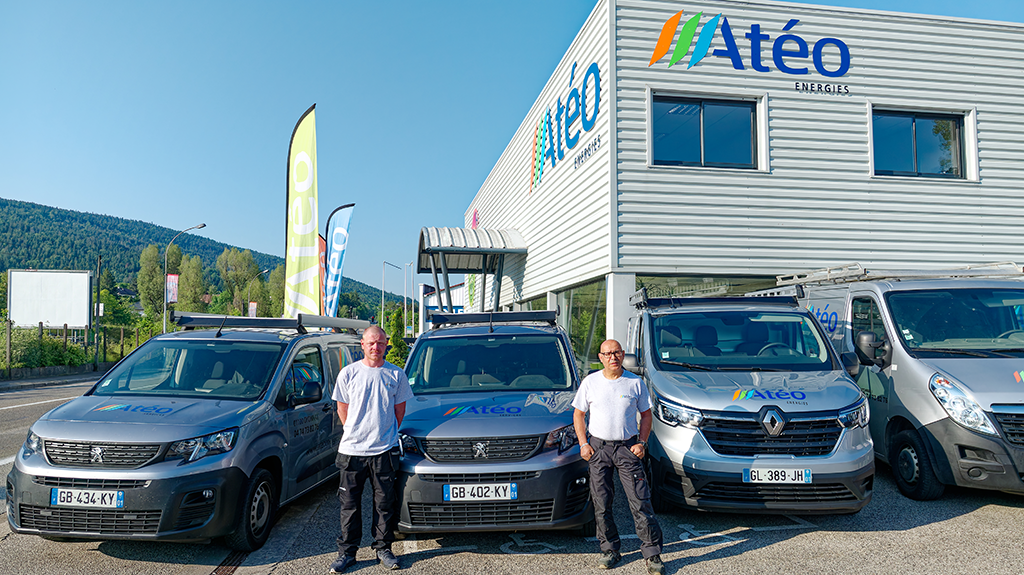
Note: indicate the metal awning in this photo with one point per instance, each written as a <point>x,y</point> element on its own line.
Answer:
<point>466,251</point>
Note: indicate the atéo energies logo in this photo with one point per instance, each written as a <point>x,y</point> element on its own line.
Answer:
<point>788,51</point>
<point>558,132</point>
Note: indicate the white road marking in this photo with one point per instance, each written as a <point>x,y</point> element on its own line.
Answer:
<point>38,402</point>
<point>7,460</point>
<point>412,544</point>
<point>800,524</point>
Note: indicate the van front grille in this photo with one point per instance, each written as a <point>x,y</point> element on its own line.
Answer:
<point>79,483</point>
<point>482,449</point>
<point>745,436</point>
<point>1012,425</point>
<point>89,521</point>
<point>99,455</point>
<point>479,477</point>
<point>478,513</point>
<point>761,493</point>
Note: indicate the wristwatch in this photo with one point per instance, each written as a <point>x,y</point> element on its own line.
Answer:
<point>644,443</point>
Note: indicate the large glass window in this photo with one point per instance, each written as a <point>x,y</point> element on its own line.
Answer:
<point>694,132</point>
<point>910,144</point>
<point>960,322</point>
<point>586,314</point>
<point>702,286</point>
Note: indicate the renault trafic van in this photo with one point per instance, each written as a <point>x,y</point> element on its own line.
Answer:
<point>753,409</point>
<point>943,357</point>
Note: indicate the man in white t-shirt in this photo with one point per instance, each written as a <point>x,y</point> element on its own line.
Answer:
<point>371,396</point>
<point>615,397</point>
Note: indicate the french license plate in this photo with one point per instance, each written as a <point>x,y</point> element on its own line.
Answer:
<point>481,492</point>
<point>776,476</point>
<point>86,498</point>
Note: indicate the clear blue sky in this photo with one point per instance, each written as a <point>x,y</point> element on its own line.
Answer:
<point>177,113</point>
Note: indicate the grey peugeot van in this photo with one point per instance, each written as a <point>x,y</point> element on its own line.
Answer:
<point>488,440</point>
<point>753,409</point>
<point>196,434</point>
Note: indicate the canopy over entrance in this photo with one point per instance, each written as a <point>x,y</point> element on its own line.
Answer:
<point>466,251</point>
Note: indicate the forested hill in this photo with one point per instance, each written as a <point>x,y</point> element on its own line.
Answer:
<point>33,236</point>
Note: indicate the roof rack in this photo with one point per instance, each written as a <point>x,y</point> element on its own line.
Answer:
<point>494,317</point>
<point>640,300</point>
<point>856,272</point>
<point>192,320</point>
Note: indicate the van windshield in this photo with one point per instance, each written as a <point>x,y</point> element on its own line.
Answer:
<point>488,364</point>
<point>221,370</point>
<point>739,340</point>
<point>972,321</point>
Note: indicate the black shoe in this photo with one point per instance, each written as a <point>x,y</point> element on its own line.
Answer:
<point>608,559</point>
<point>343,563</point>
<point>387,559</point>
<point>655,566</point>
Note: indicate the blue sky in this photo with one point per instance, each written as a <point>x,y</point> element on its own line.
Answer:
<point>177,113</point>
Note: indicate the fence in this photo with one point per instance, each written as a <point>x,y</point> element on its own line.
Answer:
<point>45,346</point>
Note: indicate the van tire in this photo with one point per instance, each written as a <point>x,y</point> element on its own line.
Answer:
<point>589,529</point>
<point>256,513</point>
<point>912,467</point>
<point>658,503</point>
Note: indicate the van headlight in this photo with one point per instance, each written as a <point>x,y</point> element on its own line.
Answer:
<point>960,406</point>
<point>408,444</point>
<point>563,438</point>
<point>190,450</point>
<point>674,414</point>
<point>858,416</point>
<point>33,444</point>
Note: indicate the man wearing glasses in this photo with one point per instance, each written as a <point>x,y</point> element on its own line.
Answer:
<point>614,397</point>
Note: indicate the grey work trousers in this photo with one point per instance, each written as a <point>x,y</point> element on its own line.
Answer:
<point>382,471</point>
<point>608,456</point>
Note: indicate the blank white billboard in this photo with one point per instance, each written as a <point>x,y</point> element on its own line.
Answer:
<point>54,297</point>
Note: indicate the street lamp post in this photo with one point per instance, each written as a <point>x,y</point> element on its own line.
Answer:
<point>248,286</point>
<point>383,268</point>
<point>165,269</point>
<point>405,298</point>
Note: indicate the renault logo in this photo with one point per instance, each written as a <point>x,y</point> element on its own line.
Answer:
<point>772,423</point>
<point>96,454</point>
<point>480,450</point>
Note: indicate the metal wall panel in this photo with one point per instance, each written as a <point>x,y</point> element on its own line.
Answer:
<point>817,202</point>
<point>565,219</point>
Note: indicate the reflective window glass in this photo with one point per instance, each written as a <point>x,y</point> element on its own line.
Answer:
<point>909,144</point>
<point>693,132</point>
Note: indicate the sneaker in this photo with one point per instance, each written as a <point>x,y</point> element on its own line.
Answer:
<point>655,566</point>
<point>608,559</point>
<point>342,563</point>
<point>387,559</point>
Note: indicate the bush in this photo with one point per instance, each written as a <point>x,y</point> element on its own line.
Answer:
<point>27,350</point>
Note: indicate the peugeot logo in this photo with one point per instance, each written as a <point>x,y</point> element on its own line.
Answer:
<point>772,423</point>
<point>480,450</point>
<point>96,454</point>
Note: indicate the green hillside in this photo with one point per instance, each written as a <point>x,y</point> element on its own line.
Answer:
<point>33,236</point>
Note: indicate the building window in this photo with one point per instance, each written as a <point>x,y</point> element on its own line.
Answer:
<point>707,133</point>
<point>911,144</point>
<point>585,318</point>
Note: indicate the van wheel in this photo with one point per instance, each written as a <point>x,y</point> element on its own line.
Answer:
<point>256,513</point>
<point>912,467</point>
<point>589,529</point>
<point>658,502</point>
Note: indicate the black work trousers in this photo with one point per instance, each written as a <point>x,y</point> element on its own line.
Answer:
<point>381,470</point>
<point>609,456</point>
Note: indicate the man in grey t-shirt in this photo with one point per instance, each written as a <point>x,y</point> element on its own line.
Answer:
<point>615,397</point>
<point>371,396</point>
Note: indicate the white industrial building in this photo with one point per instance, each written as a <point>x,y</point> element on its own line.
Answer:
<point>705,147</point>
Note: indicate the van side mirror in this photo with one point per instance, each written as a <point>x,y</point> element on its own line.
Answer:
<point>311,393</point>
<point>851,363</point>
<point>630,363</point>
<point>867,350</point>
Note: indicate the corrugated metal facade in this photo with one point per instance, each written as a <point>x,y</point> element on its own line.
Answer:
<point>564,219</point>
<point>813,200</point>
<point>817,203</point>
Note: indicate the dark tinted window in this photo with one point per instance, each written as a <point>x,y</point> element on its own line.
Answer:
<point>689,132</point>
<point>909,144</point>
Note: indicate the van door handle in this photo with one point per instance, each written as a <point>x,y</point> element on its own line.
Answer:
<point>326,408</point>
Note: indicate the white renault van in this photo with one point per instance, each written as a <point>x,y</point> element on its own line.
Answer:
<point>943,357</point>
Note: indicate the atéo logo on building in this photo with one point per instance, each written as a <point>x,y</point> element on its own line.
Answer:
<point>786,50</point>
<point>554,130</point>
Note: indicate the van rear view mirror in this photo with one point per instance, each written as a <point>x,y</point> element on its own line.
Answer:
<point>630,363</point>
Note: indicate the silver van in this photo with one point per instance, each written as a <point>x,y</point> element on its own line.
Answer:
<point>488,440</point>
<point>753,409</point>
<point>197,434</point>
<point>943,356</point>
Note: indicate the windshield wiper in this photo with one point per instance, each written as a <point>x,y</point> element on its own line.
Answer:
<point>689,365</point>
<point>750,368</point>
<point>953,351</point>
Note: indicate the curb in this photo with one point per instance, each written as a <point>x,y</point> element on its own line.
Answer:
<point>17,385</point>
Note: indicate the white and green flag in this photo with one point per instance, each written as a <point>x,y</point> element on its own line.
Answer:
<point>302,254</point>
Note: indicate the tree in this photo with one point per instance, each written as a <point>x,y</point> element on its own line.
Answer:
<point>107,280</point>
<point>395,329</point>
<point>191,285</point>
<point>3,295</point>
<point>235,268</point>
<point>275,292</point>
<point>221,303</point>
<point>115,310</point>
<point>173,259</point>
<point>150,280</point>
